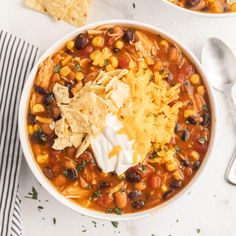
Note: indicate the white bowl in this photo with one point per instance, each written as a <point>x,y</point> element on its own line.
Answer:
<point>26,145</point>
<point>199,13</point>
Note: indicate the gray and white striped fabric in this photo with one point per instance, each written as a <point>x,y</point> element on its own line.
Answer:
<point>17,58</point>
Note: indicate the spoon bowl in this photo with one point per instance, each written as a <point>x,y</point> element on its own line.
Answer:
<point>220,63</point>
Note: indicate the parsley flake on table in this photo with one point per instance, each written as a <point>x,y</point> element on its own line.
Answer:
<point>115,224</point>
<point>33,194</point>
<point>40,208</point>
<point>94,223</point>
<point>54,220</point>
<point>198,230</point>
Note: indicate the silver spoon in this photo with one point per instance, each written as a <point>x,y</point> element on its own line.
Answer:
<point>220,65</point>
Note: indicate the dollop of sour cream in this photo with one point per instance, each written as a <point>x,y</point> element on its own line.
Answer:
<point>104,143</point>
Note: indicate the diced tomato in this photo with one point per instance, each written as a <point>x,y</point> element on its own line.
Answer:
<point>111,41</point>
<point>155,181</point>
<point>86,51</point>
<point>71,151</point>
<point>184,73</point>
<point>201,148</point>
<point>54,154</point>
<point>143,170</point>
<point>105,200</point>
<point>123,61</point>
<point>87,156</point>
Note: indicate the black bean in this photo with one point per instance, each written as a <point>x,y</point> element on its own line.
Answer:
<point>205,119</point>
<point>185,135</point>
<point>81,41</point>
<point>47,99</point>
<point>138,204</point>
<point>40,90</point>
<point>134,195</point>
<point>48,172</point>
<point>185,163</point>
<point>175,183</point>
<point>116,50</point>
<point>167,194</point>
<point>133,177</point>
<point>192,3</point>
<point>72,173</point>
<point>129,36</point>
<point>196,165</point>
<point>39,137</point>
<point>32,119</point>
<point>104,184</point>
<point>192,120</point>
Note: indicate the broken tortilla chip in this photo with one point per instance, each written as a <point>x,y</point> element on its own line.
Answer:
<point>35,5</point>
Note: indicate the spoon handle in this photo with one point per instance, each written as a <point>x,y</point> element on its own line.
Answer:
<point>230,173</point>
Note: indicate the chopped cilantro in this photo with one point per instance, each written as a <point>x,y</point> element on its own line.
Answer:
<point>78,67</point>
<point>84,230</point>
<point>92,161</point>
<point>153,235</point>
<point>96,194</point>
<point>134,5</point>
<point>202,140</point>
<point>198,231</point>
<point>81,166</point>
<point>33,194</point>
<point>40,208</point>
<point>115,224</point>
<point>177,149</point>
<point>65,173</point>
<point>57,68</point>
<point>88,187</point>
<point>121,177</point>
<point>142,168</point>
<point>177,220</point>
<point>54,220</point>
<point>118,211</point>
<point>205,107</point>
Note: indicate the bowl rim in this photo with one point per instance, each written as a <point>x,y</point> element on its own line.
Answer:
<point>198,13</point>
<point>22,124</point>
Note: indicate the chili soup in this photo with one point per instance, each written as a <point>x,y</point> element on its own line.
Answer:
<point>207,6</point>
<point>119,119</point>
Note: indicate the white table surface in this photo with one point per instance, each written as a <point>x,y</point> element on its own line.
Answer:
<point>211,203</point>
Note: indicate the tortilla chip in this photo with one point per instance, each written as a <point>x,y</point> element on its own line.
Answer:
<point>61,94</point>
<point>56,8</point>
<point>78,12</point>
<point>35,5</point>
<point>61,143</point>
<point>84,145</point>
<point>76,139</point>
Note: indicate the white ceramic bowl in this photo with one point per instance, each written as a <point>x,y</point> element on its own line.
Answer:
<point>26,145</point>
<point>198,13</point>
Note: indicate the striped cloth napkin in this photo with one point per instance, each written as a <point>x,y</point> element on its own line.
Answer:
<point>17,58</point>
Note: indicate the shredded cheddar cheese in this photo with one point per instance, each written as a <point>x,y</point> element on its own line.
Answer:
<point>115,151</point>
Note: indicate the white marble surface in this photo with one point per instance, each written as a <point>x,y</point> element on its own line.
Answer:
<point>210,205</point>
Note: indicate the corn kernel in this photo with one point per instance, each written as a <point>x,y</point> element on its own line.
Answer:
<point>43,119</point>
<point>158,66</point>
<point>164,188</point>
<point>233,7</point>
<point>70,45</point>
<point>103,174</point>
<point>172,166</point>
<point>109,67</point>
<point>66,60</point>
<point>164,43</point>
<point>87,203</point>
<point>30,129</point>
<point>157,77</point>
<point>178,175</point>
<point>106,53</point>
<point>114,62</point>
<point>188,113</point>
<point>201,90</point>
<point>37,108</point>
<point>42,158</point>
<point>216,7</point>
<point>119,44</point>
<point>36,127</point>
<point>195,155</point>
<point>64,71</point>
<point>79,76</point>
<point>98,41</point>
<point>194,79</point>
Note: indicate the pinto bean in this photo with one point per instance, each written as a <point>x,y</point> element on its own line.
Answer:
<point>121,199</point>
<point>155,181</point>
